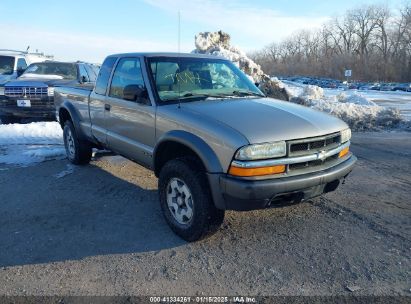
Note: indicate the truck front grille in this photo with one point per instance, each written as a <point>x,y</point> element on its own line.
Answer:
<point>312,145</point>
<point>25,92</point>
<point>314,163</point>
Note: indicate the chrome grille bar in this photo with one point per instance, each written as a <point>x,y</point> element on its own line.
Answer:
<point>310,145</point>
<point>25,92</point>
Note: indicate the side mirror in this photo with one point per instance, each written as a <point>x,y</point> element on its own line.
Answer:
<point>134,92</point>
<point>20,71</point>
<point>83,79</point>
<point>257,84</point>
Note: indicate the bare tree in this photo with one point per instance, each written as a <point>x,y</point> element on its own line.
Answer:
<point>371,40</point>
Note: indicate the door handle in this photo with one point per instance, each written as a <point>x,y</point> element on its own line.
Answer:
<point>107,107</point>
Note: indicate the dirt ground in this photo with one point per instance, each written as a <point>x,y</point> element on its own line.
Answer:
<point>98,230</point>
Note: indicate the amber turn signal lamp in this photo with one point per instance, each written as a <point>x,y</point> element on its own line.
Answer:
<point>344,152</point>
<point>247,172</point>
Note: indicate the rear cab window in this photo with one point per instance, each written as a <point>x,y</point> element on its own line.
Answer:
<point>91,73</point>
<point>104,75</point>
<point>83,73</point>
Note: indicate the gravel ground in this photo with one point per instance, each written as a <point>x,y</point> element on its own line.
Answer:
<point>98,230</point>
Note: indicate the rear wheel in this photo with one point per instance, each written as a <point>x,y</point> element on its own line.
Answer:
<point>186,200</point>
<point>78,151</point>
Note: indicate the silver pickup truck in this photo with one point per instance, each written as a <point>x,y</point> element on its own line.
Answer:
<point>210,135</point>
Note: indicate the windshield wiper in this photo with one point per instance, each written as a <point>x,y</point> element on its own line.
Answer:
<point>189,96</point>
<point>192,96</point>
<point>246,93</point>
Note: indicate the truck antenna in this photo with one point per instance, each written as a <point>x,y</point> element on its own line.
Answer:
<point>179,31</point>
<point>178,48</point>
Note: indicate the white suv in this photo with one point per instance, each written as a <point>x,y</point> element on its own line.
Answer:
<point>13,63</point>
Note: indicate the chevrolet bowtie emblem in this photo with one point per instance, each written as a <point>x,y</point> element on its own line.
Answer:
<point>321,155</point>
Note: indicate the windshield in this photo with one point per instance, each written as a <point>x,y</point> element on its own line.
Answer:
<point>6,65</point>
<point>57,70</point>
<point>179,78</point>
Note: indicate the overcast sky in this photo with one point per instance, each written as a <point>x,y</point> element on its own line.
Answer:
<point>90,29</point>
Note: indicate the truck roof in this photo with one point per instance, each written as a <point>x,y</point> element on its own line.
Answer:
<point>168,54</point>
<point>68,62</point>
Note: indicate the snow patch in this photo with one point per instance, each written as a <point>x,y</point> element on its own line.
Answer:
<point>31,133</point>
<point>69,170</point>
<point>25,144</point>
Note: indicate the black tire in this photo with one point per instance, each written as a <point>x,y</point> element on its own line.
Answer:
<point>206,218</point>
<point>78,151</point>
<point>5,120</point>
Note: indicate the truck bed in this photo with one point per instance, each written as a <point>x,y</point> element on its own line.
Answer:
<point>78,98</point>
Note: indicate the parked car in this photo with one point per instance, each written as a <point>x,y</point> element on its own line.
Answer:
<point>31,95</point>
<point>387,87</point>
<point>365,87</point>
<point>370,86</point>
<point>210,135</point>
<point>376,86</point>
<point>13,63</point>
<point>406,87</point>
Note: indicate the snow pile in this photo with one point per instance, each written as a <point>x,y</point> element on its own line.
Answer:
<point>218,44</point>
<point>355,99</point>
<point>358,112</point>
<point>316,93</point>
<point>278,82</point>
<point>312,92</point>
<point>24,144</point>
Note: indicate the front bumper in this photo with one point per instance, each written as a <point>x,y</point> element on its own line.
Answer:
<point>40,108</point>
<point>231,193</point>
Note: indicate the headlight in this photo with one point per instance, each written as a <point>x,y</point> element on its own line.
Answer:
<point>262,151</point>
<point>1,90</point>
<point>345,135</point>
<point>50,91</point>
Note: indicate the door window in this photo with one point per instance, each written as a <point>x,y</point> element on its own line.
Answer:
<point>128,78</point>
<point>21,64</point>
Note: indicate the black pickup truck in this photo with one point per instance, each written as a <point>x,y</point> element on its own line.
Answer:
<point>32,94</point>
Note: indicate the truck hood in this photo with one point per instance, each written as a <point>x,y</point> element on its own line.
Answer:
<point>5,78</point>
<point>266,120</point>
<point>39,82</point>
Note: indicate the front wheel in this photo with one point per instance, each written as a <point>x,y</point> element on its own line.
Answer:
<point>78,151</point>
<point>186,200</point>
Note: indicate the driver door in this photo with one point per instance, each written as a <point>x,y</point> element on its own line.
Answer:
<point>130,123</point>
